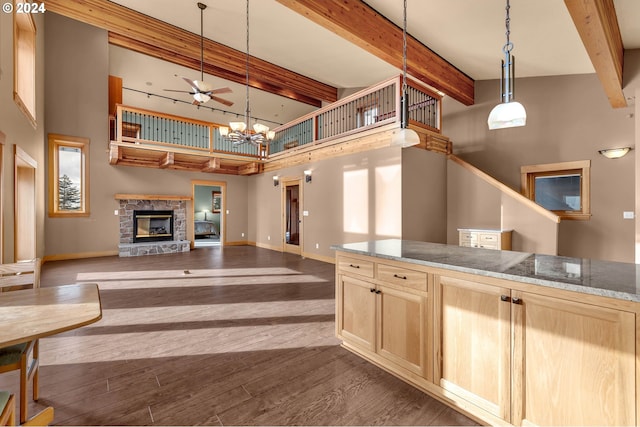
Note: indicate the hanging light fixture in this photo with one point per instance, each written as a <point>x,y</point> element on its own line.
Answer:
<point>238,134</point>
<point>405,137</point>
<point>508,113</point>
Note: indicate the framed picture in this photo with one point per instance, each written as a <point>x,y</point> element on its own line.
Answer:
<point>216,198</point>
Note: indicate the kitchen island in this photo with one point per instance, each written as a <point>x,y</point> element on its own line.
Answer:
<point>508,338</point>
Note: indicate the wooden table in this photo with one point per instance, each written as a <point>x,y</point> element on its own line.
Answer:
<point>30,314</point>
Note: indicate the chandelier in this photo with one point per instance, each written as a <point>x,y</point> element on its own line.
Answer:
<point>237,131</point>
<point>508,113</point>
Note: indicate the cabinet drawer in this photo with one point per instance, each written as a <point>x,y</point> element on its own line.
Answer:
<point>467,235</point>
<point>489,238</point>
<point>403,277</point>
<point>355,266</point>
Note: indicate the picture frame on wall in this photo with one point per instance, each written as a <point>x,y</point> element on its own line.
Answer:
<point>216,201</point>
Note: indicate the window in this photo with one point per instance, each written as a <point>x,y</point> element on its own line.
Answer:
<point>562,188</point>
<point>68,176</point>
<point>24,65</point>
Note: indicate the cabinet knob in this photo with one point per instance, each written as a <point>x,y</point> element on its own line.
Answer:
<point>504,298</point>
<point>400,277</point>
<point>354,266</point>
<point>517,301</point>
<point>378,291</point>
<point>372,290</point>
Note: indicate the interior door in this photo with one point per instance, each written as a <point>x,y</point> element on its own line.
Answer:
<point>25,206</point>
<point>292,216</point>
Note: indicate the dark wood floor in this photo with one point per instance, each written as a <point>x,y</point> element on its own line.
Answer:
<point>233,336</point>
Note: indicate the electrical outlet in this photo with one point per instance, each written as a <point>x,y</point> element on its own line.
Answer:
<point>268,237</point>
<point>305,213</point>
<point>317,245</point>
<point>116,212</point>
<point>242,234</point>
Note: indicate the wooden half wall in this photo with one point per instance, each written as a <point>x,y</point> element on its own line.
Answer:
<point>477,200</point>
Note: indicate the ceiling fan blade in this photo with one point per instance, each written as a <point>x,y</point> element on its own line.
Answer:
<point>220,90</point>
<point>191,83</point>
<point>222,101</point>
<point>181,91</point>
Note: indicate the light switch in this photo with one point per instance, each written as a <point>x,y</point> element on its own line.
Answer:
<point>305,213</point>
<point>628,215</point>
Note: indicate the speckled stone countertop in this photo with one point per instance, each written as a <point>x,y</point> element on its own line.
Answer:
<point>606,278</point>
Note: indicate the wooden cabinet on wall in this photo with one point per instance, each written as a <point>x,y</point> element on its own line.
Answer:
<point>382,311</point>
<point>569,363</point>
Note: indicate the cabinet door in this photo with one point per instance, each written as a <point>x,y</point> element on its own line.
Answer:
<point>402,326</point>
<point>356,314</point>
<point>573,363</point>
<point>473,345</point>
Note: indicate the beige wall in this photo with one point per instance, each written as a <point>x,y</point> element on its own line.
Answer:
<point>376,175</point>
<point>76,104</point>
<point>424,195</point>
<point>19,132</point>
<point>568,118</point>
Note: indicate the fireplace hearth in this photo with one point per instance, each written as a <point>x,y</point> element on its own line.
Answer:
<point>152,225</point>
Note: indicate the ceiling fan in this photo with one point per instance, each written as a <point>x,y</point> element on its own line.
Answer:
<point>201,91</point>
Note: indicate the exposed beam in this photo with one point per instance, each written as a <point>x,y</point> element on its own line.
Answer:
<point>597,25</point>
<point>211,165</point>
<point>151,36</point>
<point>167,160</point>
<point>249,169</point>
<point>357,22</point>
<point>115,154</point>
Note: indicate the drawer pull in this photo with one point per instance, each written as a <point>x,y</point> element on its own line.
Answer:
<point>504,298</point>
<point>400,277</point>
<point>354,266</point>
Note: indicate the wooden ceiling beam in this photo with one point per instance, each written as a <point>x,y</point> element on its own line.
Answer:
<point>357,22</point>
<point>153,37</point>
<point>597,25</point>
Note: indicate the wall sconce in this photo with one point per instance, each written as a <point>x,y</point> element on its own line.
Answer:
<point>307,175</point>
<point>276,181</point>
<point>615,153</point>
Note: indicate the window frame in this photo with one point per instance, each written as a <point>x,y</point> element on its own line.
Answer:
<point>529,173</point>
<point>56,141</point>
<point>24,64</point>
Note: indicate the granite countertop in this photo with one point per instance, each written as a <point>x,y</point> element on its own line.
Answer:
<point>605,278</point>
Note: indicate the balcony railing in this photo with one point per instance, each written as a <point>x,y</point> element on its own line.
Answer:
<point>139,126</point>
<point>370,108</point>
<point>373,107</point>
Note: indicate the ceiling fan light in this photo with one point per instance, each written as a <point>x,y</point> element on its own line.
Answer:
<point>238,126</point>
<point>201,97</point>
<point>507,115</point>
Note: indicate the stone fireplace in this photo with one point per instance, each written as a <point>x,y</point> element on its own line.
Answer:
<point>152,224</point>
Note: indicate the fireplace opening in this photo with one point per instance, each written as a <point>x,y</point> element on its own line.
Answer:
<point>152,226</point>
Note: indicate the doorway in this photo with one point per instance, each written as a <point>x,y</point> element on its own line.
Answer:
<point>209,206</point>
<point>292,216</point>
<point>25,206</point>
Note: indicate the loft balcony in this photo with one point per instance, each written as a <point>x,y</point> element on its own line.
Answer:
<point>362,121</point>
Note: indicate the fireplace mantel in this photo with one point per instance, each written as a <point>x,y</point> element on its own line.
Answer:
<point>150,197</point>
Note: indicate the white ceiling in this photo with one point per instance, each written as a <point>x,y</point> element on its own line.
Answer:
<point>467,33</point>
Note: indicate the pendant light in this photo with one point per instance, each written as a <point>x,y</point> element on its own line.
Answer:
<point>238,134</point>
<point>405,137</point>
<point>508,113</point>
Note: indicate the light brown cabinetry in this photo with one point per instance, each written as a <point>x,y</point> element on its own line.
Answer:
<point>385,316</point>
<point>487,239</point>
<point>531,359</point>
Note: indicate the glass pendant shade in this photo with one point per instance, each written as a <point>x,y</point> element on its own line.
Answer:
<point>260,128</point>
<point>405,138</point>
<point>507,115</point>
<point>224,131</point>
<point>201,97</point>
<point>238,126</point>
